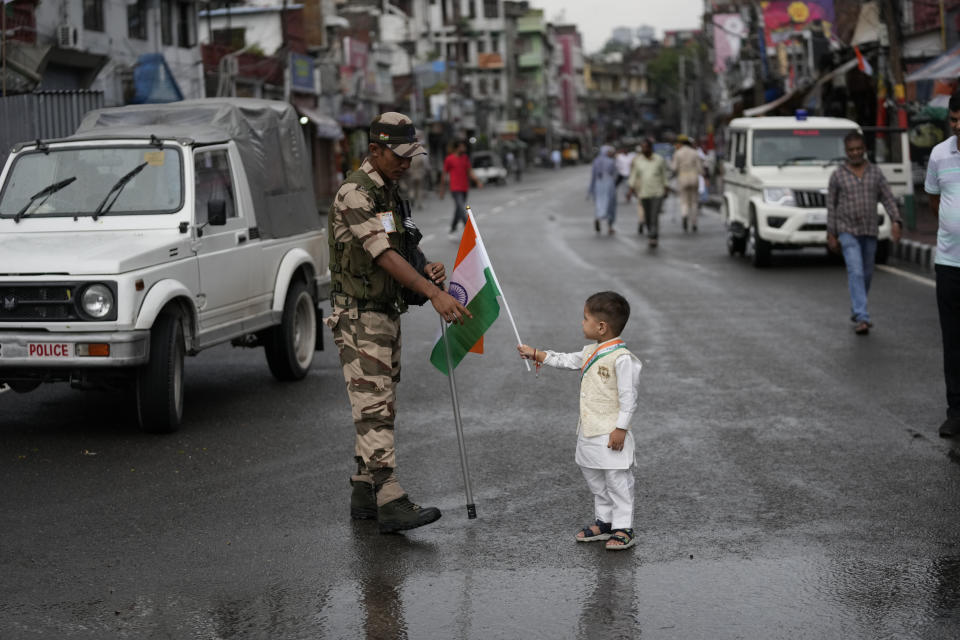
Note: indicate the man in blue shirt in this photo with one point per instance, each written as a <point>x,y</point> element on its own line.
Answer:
<point>943,185</point>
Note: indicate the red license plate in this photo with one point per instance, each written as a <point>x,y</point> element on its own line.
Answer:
<point>48,350</point>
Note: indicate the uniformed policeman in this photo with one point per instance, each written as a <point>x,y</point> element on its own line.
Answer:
<point>369,272</point>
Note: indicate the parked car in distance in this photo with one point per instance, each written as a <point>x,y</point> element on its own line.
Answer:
<point>488,168</point>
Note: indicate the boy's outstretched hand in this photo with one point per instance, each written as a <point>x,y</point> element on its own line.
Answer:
<point>617,436</point>
<point>525,352</point>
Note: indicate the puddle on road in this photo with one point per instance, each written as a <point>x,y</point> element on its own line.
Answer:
<point>762,598</point>
<point>810,597</point>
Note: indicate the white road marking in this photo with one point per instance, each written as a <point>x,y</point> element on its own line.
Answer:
<point>4,388</point>
<point>496,209</point>
<point>906,274</point>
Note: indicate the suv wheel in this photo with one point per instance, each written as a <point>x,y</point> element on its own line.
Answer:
<point>290,345</point>
<point>160,381</point>
<point>759,248</point>
<point>736,244</point>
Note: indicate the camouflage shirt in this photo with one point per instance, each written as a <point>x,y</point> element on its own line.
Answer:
<point>354,214</point>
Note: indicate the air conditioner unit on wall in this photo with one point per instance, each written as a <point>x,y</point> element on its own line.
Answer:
<point>68,37</point>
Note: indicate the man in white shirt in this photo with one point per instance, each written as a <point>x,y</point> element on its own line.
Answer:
<point>624,160</point>
<point>943,185</point>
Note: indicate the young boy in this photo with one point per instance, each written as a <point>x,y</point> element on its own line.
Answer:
<point>609,382</point>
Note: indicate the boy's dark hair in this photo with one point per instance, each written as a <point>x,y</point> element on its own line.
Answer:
<point>954,104</point>
<point>850,137</point>
<point>611,307</point>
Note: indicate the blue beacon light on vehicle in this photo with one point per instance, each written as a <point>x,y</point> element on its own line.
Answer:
<point>801,114</point>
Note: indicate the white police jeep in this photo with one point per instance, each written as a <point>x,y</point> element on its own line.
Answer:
<point>154,232</point>
<point>775,182</point>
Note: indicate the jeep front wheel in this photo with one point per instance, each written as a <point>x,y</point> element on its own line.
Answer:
<point>290,345</point>
<point>760,248</point>
<point>160,381</point>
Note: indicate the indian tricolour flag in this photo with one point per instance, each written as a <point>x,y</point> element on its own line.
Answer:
<point>474,285</point>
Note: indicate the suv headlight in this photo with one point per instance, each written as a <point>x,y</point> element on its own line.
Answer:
<point>97,301</point>
<point>780,196</point>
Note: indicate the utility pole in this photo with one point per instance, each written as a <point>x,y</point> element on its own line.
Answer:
<point>682,75</point>
<point>754,38</point>
<point>896,59</point>
<point>895,64</point>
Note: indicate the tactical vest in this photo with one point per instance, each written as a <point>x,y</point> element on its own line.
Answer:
<point>354,277</point>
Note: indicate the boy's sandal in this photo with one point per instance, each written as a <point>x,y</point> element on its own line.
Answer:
<point>621,539</point>
<point>589,535</point>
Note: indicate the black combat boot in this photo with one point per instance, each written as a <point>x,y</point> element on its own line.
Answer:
<point>401,514</point>
<point>363,501</point>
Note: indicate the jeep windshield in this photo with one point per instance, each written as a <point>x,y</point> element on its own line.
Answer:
<point>783,147</point>
<point>156,189</point>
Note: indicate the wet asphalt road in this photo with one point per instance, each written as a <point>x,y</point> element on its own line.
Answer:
<point>790,482</point>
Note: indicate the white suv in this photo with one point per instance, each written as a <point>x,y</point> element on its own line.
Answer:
<point>154,232</point>
<point>775,184</point>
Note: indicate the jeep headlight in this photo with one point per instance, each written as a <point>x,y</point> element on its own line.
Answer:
<point>97,301</point>
<point>780,196</point>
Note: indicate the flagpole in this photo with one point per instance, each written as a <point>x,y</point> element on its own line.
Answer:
<point>471,507</point>
<point>496,281</point>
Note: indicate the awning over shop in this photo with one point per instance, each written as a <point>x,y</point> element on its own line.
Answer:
<point>326,126</point>
<point>770,106</point>
<point>946,66</point>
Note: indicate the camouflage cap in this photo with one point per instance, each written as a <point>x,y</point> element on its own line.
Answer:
<point>397,132</point>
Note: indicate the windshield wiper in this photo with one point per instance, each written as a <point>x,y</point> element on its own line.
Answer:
<point>794,159</point>
<point>117,188</point>
<point>832,160</point>
<point>44,193</point>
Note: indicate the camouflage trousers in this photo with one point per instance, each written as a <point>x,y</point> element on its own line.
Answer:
<point>369,347</point>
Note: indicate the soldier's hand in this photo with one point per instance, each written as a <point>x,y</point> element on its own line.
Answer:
<point>436,272</point>
<point>895,231</point>
<point>449,309</point>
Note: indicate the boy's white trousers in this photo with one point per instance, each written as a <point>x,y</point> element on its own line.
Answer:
<point>612,491</point>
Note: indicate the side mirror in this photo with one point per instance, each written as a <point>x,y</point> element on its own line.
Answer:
<point>740,161</point>
<point>217,213</point>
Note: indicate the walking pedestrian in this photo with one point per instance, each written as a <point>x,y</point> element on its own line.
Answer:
<point>369,253</point>
<point>457,175</point>
<point>624,160</point>
<point>854,189</point>
<point>556,158</point>
<point>943,171</point>
<point>416,178</point>
<point>648,179</point>
<point>609,388</point>
<point>603,188</point>
<point>687,165</point>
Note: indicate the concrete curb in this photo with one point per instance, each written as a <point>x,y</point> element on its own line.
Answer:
<point>913,252</point>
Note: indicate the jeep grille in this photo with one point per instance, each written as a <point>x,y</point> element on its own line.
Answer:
<point>38,302</point>
<point>809,199</point>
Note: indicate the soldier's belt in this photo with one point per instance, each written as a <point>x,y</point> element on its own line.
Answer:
<point>347,302</point>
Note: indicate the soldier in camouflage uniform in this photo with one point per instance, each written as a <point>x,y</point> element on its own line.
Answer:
<point>369,271</point>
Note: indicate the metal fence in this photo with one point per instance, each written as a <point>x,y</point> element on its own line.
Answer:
<point>45,115</point>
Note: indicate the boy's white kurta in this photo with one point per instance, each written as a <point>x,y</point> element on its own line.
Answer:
<point>598,415</point>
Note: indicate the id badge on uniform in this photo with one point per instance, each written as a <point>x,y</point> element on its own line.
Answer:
<point>386,219</point>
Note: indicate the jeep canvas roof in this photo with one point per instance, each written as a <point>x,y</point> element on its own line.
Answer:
<point>267,134</point>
